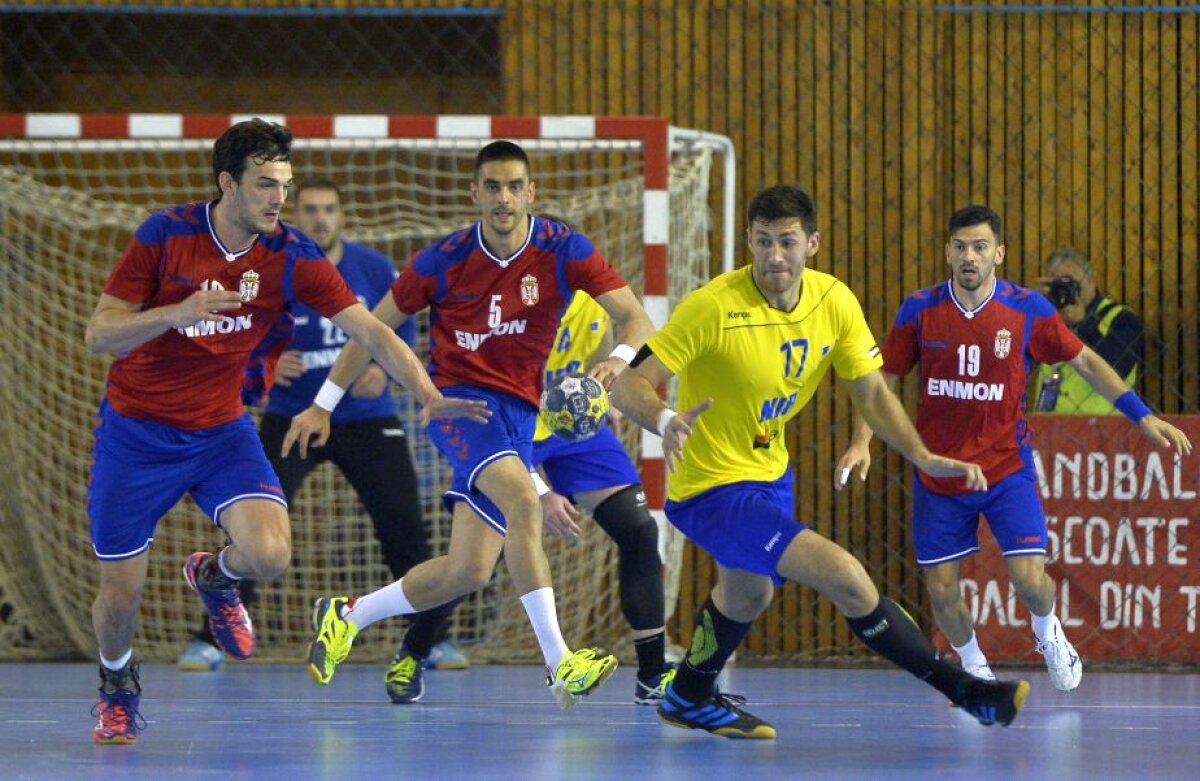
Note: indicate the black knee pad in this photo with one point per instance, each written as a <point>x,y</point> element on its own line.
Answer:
<point>625,518</point>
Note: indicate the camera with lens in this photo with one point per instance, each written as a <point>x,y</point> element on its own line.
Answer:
<point>1064,291</point>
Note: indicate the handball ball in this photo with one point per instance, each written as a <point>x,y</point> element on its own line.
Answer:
<point>574,406</point>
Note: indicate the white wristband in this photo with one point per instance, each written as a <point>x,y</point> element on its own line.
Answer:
<point>664,418</point>
<point>624,352</point>
<point>329,395</point>
<point>539,484</point>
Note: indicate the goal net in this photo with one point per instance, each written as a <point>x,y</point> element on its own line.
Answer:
<point>67,208</point>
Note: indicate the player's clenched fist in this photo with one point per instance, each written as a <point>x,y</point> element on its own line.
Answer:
<point>205,305</point>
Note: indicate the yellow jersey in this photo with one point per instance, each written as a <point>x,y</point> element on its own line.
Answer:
<point>760,366</point>
<point>579,335</point>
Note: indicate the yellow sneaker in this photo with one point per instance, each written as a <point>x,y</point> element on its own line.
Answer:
<point>335,636</point>
<point>579,673</point>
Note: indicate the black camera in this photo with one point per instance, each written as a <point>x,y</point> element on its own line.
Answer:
<point>1064,291</point>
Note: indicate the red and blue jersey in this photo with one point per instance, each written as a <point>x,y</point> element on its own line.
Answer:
<point>192,377</point>
<point>974,368</point>
<point>493,320</point>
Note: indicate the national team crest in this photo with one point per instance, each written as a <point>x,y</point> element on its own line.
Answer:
<point>529,290</point>
<point>248,286</point>
<point>1003,343</point>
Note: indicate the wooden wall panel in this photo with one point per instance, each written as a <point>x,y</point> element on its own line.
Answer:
<point>1080,128</point>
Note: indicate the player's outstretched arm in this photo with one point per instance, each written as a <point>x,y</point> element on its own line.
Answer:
<point>634,327</point>
<point>376,332</point>
<point>1105,381</point>
<point>885,415</point>
<point>118,326</point>
<point>366,332</point>
<point>857,458</point>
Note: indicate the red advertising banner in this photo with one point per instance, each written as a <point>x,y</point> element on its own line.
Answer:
<point>1124,547</point>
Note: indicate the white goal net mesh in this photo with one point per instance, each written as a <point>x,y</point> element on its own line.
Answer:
<point>66,211</point>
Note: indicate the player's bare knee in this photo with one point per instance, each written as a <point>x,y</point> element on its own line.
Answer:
<point>1036,591</point>
<point>118,597</point>
<point>268,556</point>
<point>850,587</point>
<point>467,577</point>
<point>745,602</point>
<point>943,593</point>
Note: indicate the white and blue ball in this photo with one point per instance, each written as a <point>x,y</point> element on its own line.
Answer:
<point>574,406</point>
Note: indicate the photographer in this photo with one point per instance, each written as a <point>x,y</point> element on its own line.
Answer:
<point>1109,328</point>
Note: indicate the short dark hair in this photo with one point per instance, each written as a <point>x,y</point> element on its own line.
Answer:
<point>976,214</point>
<point>320,184</point>
<point>254,139</point>
<point>783,202</point>
<point>500,150</point>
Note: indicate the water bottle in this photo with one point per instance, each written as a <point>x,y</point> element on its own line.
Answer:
<point>1048,395</point>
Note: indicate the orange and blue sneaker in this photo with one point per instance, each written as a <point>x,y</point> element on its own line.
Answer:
<point>117,719</point>
<point>227,617</point>
<point>721,714</point>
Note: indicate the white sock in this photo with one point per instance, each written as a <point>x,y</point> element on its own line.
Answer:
<point>539,606</point>
<point>969,652</point>
<point>119,663</point>
<point>1042,624</point>
<point>224,568</point>
<point>386,602</point>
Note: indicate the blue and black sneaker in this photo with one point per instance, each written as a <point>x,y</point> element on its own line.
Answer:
<point>721,714</point>
<point>651,692</point>
<point>404,678</point>
<point>991,702</point>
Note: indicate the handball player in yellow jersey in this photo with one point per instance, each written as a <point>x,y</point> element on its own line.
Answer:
<point>750,348</point>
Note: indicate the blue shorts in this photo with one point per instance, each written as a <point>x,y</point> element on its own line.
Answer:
<point>945,528</point>
<point>573,467</point>
<point>142,468</point>
<point>746,525</point>
<point>471,446</point>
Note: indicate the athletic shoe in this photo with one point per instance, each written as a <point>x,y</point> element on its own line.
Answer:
<point>200,657</point>
<point>651,692</point>
<point>980,671</point>
<point>579,673</point>
<point>446,656</point>
<point>1063,664</point>
<point>404,680</point>
<point>992,702</point>
<point>335,636</point>
<point>118,721</point>
<point>227,618</point>
<point>720,714</point>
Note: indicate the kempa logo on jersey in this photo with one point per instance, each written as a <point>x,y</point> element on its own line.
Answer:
<point>957,389</point>
<point>472,342</point>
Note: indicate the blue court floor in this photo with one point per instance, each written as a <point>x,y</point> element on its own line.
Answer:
<point>271,722</point>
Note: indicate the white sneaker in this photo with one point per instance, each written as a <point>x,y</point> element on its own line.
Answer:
<point>1063,664</point>
<point>980,671</point>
